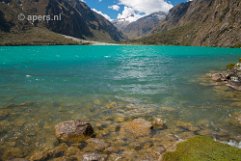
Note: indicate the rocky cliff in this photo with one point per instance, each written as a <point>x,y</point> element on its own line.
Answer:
<point>76,20</point>
<point>201,22</point>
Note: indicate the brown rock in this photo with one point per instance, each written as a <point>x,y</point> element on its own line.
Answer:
<point>158,123</point>
<point>18,159</point>
<point>65,159</point>
<point>187,126</point>
<point>72,151</point>
<point>236,86</point>
<point>73,130</point>
<point>217,77</point>
<point>49,154</point>
<point>137,128</point>
<point>97,144</point>
<point>111,105</point>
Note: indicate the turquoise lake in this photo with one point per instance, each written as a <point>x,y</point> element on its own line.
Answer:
<point>43,85</point>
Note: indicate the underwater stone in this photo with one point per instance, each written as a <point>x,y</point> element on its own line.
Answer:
<point>94,157</point>
<point>97,144</point>
<point>49,154</point>
<point>18,159</point>
<point>137,128</point>
<point>73,130</point>
<point>158,123</point>
<point>3,115</point>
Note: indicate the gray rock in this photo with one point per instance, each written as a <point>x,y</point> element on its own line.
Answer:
<point>94,157</point>
<point>73,130</point>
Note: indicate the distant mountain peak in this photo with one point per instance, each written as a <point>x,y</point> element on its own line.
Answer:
<point>142,26</point>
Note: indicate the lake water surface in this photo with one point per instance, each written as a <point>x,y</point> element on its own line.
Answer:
<point>43,85</point>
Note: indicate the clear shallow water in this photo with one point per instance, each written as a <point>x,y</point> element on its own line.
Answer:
<point>41,86</point>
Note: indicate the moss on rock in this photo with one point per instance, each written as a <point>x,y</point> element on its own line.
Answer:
<point>202,148</point>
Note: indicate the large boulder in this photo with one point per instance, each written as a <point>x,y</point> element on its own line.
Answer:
<point>73,130</point>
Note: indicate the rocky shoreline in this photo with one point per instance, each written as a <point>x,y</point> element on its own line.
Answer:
<point>231,77</point>
<point>119,131</point>
<point>78,141</point>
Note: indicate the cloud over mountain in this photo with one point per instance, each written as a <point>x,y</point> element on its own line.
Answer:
<point>135,9</point>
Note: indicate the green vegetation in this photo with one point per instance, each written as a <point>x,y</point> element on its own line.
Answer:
<point>203,149</point>
<point>237,46</point>
<point>171,37</point>
<point>230,66</point>
<point>39,36</point>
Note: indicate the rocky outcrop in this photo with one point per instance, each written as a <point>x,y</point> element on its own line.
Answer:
<point>201,23</point>
<point>230,78</point>
<point>73,130</point>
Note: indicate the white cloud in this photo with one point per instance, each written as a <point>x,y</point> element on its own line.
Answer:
<point>135,9</point>
<point>114,7</point>
<point>128,14</point>
<point>103,14</point>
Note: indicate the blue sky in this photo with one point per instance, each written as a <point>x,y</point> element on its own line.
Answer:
<point>130,9</point>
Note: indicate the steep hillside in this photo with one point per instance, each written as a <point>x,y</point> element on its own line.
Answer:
<point>74,18</point>
<point>200,22</point>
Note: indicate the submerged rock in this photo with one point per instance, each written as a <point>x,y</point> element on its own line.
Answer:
<point>94,157</point>
<point>158,123</point>
<point>137,128</point>
<point>97,144</point>
<point>58,151</point>
<point>4,115</point>
<point>186,126</point>
<point>65,159</point>
<point>234,85</point>
<point>111,105</point>
<point>17,159</point>
<point>73,130</point>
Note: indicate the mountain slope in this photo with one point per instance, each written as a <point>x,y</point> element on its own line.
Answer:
<point>76,19</point>
<point>143,26</point>
<point>200,22</point>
